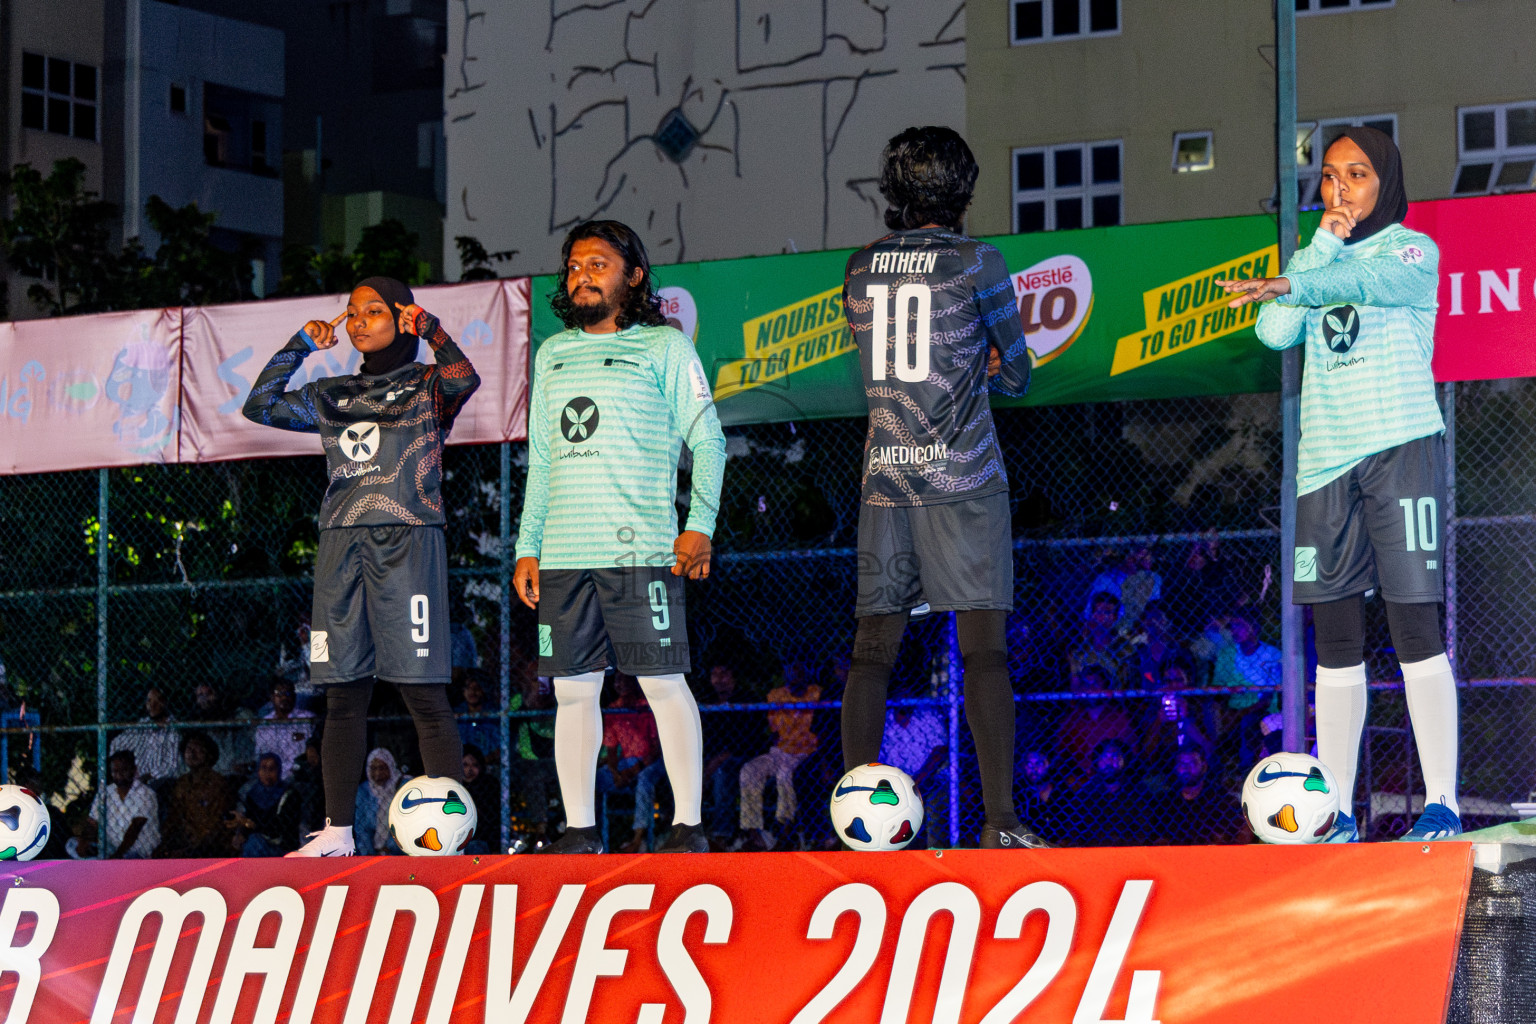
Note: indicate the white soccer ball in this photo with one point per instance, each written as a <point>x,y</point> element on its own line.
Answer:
<point>23,823</point>
<point>876,807</point>
<point>1290,799</point>
<point>432,816</point>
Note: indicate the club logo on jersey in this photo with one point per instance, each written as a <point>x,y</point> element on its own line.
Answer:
<point>1055,297</point>
<point>1411,254</point>
<point>360,441</point>
<point>578,421</point>
<point>1341,328</point>
<point>1306,565</point>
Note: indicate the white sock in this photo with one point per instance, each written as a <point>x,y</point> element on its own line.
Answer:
<point>1340,722</point>
<point>682,742</point>
<point>1431,690</point>
<point>578,738</point>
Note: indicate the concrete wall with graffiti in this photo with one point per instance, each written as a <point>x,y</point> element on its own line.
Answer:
<point>717,129</point>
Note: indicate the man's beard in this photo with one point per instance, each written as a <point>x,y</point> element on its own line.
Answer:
<point>586,314</point>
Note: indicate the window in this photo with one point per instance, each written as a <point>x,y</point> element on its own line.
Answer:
<point>1193,151</point>
<point>178,99</point>
<point>1313,139</point>
<point>1332,6</point>
<point>237,129</point>
<point>58,96</point>
<point>1057,188</point>
<point>1495,149</point>
<point>1036,20</point>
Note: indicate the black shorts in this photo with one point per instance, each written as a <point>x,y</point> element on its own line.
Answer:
<point>1379,526</point>
<point>956,557</point>
<point>631,618</point>
<point>381,606</point>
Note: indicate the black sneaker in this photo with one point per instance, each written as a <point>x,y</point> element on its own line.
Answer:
<point>685,839</point>
<point>576,840</point>
<point>1019,837</point>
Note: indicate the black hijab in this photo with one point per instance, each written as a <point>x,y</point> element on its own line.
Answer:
<point>403,349</point>
<point>1392,199</point>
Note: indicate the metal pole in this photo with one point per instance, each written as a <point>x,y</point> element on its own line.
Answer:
<point>505,642</point>
<point>955,671</point>
<point>1448,548</point>
<point>1293,677</point>
<point>101,659</point>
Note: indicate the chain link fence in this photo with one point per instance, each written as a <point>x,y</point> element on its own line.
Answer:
<point>1137,714</point>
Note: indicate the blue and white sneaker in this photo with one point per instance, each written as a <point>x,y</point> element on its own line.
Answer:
<point>1344,830</point>
<point>1437,822</point>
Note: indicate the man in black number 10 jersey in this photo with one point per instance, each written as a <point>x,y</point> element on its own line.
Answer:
<point>933,314</point>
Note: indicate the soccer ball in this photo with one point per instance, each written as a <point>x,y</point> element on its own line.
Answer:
<point>876,807</point>
<point>23,823</point>
<point>432,816</point>
<point>1290,799</point>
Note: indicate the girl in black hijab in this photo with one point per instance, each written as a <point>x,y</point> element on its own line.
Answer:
<point>381,568</point>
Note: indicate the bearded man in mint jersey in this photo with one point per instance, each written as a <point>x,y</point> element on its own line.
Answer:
<point>1370,476</point>
<point>599,554</point>
<point>933,314</point>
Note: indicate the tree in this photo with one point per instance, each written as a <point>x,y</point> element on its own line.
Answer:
<point>61,233</point>
<point>189,267</point>
<point>388,249</point>
<point>476,261</point>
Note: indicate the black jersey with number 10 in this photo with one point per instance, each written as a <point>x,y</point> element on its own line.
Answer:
<point>924,307</point>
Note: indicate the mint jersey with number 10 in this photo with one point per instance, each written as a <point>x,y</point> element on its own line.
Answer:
<point>924,307</point>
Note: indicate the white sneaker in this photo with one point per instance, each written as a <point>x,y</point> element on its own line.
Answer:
<point>331,841</point>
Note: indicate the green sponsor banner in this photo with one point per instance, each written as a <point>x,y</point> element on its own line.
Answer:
<point>1110,314</point>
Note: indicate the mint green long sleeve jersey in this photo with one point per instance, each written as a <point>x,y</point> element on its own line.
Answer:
<point>607,418</point>
<point>1367,315</point>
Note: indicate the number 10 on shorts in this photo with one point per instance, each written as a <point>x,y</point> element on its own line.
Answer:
<point>1421,514</point>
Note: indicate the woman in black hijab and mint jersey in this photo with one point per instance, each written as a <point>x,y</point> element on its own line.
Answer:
<point>1370,476</point>
<point>381,569</point>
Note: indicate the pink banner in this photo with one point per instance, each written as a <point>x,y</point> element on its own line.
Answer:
<point>1486,327</point>
<point>227,346</point>
<point>86,392</point>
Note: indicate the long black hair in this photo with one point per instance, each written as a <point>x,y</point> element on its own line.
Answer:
<point>927,175</point>
<point>641,303</point>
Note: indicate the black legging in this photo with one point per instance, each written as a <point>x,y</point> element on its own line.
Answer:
<point>345,743</point>
<point>988,699</point>
<point>1340,630</point>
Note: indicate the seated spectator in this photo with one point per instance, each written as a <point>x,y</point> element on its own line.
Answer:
<point>1175,721</point>
<point>486,793</point>
<point>370,820</point>
<point>156,748</point>
<point>532,765</point>
<point>285,729</point>
<point>309,789</point>
<point>1089,723</point>
<point>1242,660</point>
<point>1202,588</point>
<point>237,753</point>
<point>265,820</point>
<point>917,741</point>
<point>794,740</point>
<point>1132,583</point>
<point>128,809</point>
<point>730,738</point>
<point>1153,644</point>
<point>630,748</point>
<point>199,802</point>
<point>1099,641</point>
<point>1198,810</point>
<point>1041,796</point>
<point>1109,810</point>
<point>486,734</point>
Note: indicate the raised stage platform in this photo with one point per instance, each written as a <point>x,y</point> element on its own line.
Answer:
<point>1193,935</point>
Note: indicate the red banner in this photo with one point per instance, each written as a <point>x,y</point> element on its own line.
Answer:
<point>1486,326</point>
<point>1187,935</point>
